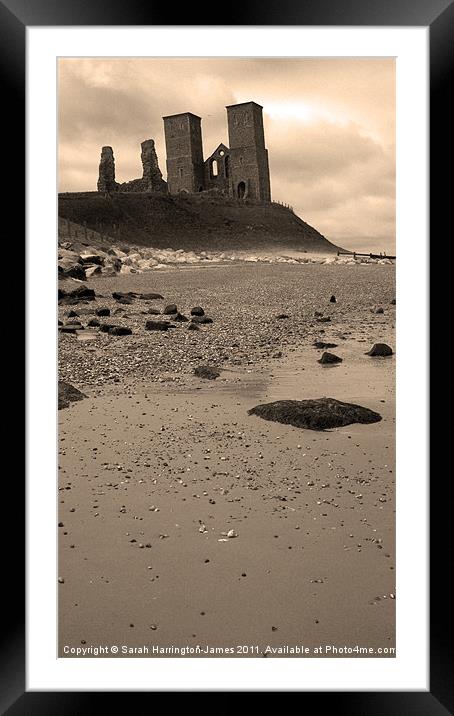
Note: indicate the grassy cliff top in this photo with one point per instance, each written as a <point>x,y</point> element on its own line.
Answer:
<point>191,222</point>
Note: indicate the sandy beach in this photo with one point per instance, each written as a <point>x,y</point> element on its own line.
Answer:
<point>185,522</point>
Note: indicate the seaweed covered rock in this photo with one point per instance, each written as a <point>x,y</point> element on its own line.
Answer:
<point>67,394</point>
<point>380,349</point>
<point>317,414</point>
<point>206,372</point>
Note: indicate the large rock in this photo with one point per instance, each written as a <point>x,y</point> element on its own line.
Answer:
<point>149,296</point>
<point>119,331</point>
<point>67,394</point>
<point>201,319</point>
<point>318,414</point>
<point>206,372</point>
<point>380,349</point>
<point>81,293</point>
<point>329,358</point>
<point>92,270</point>
<point>92,259</point>
<point>106,180</point>
<point>66,254</point>
<point>158,326</point>
<point>68,269</point>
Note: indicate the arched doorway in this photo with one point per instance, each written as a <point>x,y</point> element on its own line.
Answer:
<point>241,190</point>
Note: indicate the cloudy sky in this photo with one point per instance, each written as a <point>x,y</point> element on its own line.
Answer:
<point>329,129</point>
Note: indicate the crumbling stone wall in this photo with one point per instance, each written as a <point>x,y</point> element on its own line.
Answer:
<point>152,176</point>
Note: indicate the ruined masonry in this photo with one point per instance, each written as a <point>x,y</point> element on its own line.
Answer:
<point>240,171</point>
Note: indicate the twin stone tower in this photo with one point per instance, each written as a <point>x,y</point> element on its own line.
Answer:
<point>240,171</point>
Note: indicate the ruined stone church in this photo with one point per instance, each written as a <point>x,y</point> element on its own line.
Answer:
<point>240,170</point>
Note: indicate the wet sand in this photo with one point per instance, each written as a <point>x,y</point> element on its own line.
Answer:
<point>155,473</point>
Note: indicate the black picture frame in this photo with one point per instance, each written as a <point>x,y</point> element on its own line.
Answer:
<point>15,17</point>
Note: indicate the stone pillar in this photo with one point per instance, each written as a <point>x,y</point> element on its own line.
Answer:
<point>106,181</point>
<point>152,176</point>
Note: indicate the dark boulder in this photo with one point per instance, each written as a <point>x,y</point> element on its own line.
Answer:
<point>324,319</point>
<point>333,299</point>
<point>105,327</point>
<point>180,318</point>
<point>393,302</point>
<point>102,311</point>
<point>158,325</point>
<point>126,298</point>
<point>120,331</point>
<point>79,294</point>
<point>67,394</point>
<point>122,294</point>
<point>193,327</point>
<point>206,372</point>
<point>150,296</point>
<point>318,414</point>
<point>72,314</point>
<point>282,316</point>
<point>380,349</point>
<point>93,323</point>
<point>170,309</point>
<point>197,311</point>
<point>329,358</point>
<point>152,312</point>
<point>201,319</point>
<point>322,345</point>
<point>74,271</point>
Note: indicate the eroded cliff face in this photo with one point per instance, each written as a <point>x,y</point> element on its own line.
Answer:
<point>106,180</point>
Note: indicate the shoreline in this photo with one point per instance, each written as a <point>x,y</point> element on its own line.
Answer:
<point>158,468</point>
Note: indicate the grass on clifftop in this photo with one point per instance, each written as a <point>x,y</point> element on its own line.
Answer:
<point>197,222</point>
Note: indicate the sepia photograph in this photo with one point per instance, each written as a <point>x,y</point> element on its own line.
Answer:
<point>226,357</point>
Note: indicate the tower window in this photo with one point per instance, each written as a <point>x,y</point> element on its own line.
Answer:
<point>214,168</point>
